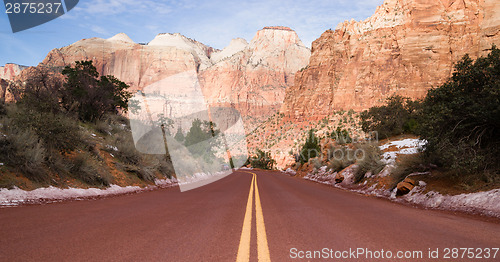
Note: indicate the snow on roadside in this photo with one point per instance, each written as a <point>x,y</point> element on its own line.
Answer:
<point>405,147</point>
<point>17,196</point>
<point>486,203</point>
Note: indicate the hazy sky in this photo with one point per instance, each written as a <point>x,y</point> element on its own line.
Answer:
<point>213,23</point>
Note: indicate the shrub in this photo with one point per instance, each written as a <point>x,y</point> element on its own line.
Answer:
<point>262,160</point>
<point>399,115</point>
<point>127,151</point>
<point>87,170</point>
<point>23,149</point>
<point>368,161</point>
<point>406,165</point>
<point>89,96</point>
<point>57,131</point>
<point>340,158</point>
<point>460,119</point>
<point>311,147</point>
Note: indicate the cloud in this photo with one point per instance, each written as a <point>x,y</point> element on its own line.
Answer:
<point>212,22</point>
<point>113,7</point>
<point>99,30</point>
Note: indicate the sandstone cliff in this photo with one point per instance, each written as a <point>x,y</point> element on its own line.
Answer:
<point>251,76</point>
<point>405,48</point>
<point>255,78</point>
<point>7,74</point>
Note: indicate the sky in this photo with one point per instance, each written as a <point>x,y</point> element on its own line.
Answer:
<point>214,23</point>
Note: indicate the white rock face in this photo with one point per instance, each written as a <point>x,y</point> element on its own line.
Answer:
<point>10,71</point>
<point>197,49</point>
<point>121,37</point>
<point>236,45</point>
<point>278,42</point>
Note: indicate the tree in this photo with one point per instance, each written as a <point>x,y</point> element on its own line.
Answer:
<point>40,91</point>
<point>89,96</point>
<point>198,137</point>
<point>311,148</point>
<point>179,136</point>
<point>460,119</point>
<point>262,160</point>
<point>399,115</point>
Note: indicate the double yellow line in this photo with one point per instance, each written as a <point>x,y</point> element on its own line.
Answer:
<point>262,247</point>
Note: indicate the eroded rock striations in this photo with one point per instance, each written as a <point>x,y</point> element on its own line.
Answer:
<point>7,74</point>
<point>251,76</point>
<point>405,48</point>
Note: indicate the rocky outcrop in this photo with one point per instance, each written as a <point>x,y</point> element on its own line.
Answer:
<point>8,73</point>
<point>405,48</point>
<point>255,78</point>
<point>251,76</point>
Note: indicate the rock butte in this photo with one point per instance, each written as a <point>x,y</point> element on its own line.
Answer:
<point>405,48</point>
<point>251,77</point>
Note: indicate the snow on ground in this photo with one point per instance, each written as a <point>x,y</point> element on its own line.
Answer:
<point>406,147</point>
<point>290,171</point>
<point>486,203</point>
<point>16,196</point>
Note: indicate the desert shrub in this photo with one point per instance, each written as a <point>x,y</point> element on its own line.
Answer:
<point>341,136</point>
<point>262,159</point>
<point>311,147</point>
<point>406,165</point>
<point>23,149</point>
<point>368,160</point>
<point>316,162</point>
<point>460,119</point>
<point>127,151</point>
<point>399,115</point>
<point>57,131</point>
<point>340,157</point>
<point>87,170</point>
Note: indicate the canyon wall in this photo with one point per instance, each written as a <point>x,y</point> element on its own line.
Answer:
<point>405,48</point>
<point>8,73</point>
<point>251,77</point>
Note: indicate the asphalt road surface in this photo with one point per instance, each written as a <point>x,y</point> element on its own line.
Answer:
<point>247,216</point>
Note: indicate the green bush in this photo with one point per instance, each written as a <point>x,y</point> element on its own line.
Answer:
<point>23,149</point>
<point>460,119</point>
<point>89,96</point>
<point>311,147</point>
<point>262,160</point>
<point>87,170</point>
<point>340,157</point>
<point>399,115</point>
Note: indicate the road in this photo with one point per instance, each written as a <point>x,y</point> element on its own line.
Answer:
<point>244,217</point>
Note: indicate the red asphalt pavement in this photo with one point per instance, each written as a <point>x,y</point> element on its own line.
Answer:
<point>205,224</point>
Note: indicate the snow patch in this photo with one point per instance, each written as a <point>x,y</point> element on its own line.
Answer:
<point>406,147</point>
<point>487,203</point>
<point>16,196</point>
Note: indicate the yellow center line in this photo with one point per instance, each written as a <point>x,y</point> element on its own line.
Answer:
<point>244,248</point>
<point>262,246</point>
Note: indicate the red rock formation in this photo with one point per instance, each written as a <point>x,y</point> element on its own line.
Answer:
<point>405,48</point>
<point>254,79</point>
<point>249,76</point>
<point>10,71</point>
